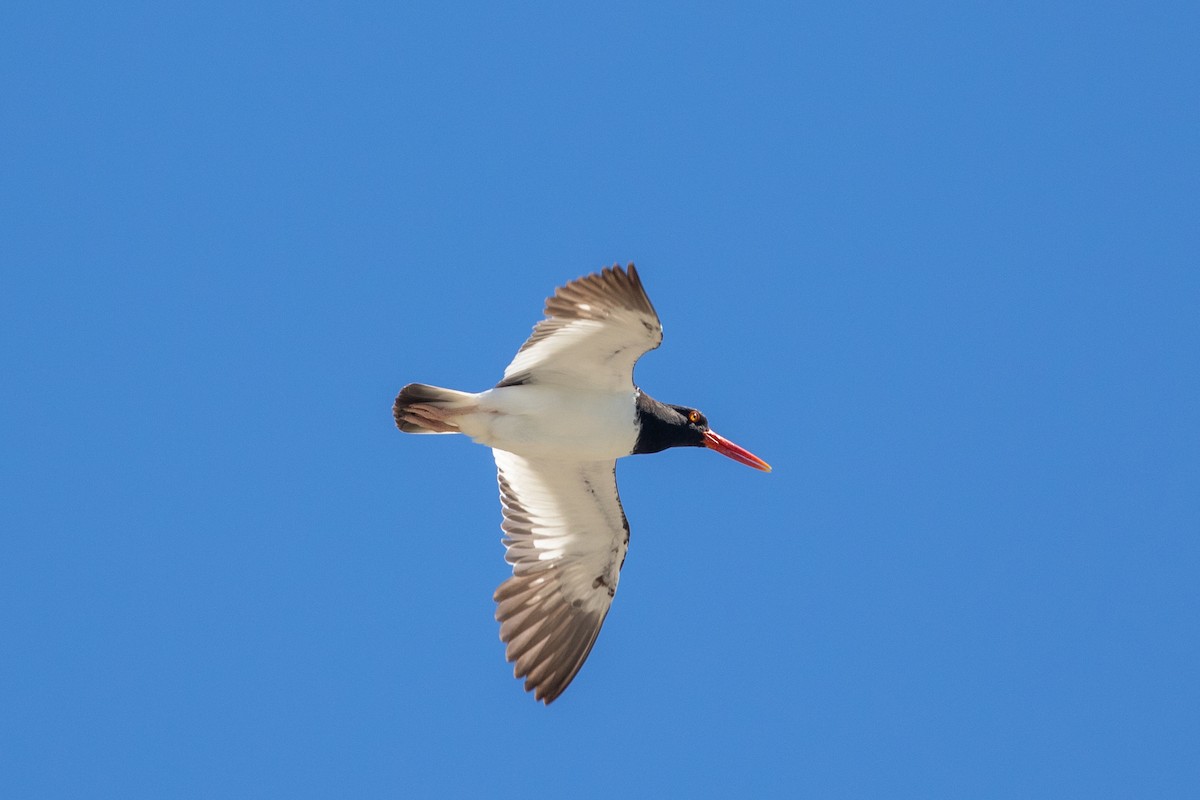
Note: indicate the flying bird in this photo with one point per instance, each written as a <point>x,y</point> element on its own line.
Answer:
<point>565,411</point>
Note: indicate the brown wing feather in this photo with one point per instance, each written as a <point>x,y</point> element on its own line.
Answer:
<point>547,639</point>
<point>600,322</point>
<point>594,297</point>
<point>566,537</point>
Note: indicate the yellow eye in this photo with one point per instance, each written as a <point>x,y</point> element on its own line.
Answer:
<point>695,416</point>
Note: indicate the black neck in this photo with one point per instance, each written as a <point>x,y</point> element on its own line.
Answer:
<point>660,426</point>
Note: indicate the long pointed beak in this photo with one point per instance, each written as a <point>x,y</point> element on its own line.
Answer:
<point>727,448</point>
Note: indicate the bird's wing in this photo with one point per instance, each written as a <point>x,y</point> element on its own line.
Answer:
<point>566,537</point>
<point>596,328</point>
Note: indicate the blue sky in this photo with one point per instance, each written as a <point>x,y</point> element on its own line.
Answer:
<point>938,263</point>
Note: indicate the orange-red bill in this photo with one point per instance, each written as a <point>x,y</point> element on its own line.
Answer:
<point>739,454</point>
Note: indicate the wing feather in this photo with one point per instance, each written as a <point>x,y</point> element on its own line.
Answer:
<point>566,537</point>
<point>596,328</point>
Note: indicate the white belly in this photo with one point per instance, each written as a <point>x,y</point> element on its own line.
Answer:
<point>542,421</point>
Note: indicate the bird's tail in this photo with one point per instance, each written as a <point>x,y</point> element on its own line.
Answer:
<point>430,409</point>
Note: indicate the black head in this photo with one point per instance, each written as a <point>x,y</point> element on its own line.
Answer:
<point>661,426</point>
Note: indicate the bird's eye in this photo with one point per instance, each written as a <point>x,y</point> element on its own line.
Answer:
<point>695,416</point>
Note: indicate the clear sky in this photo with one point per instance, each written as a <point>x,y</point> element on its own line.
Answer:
<point>938,263</point>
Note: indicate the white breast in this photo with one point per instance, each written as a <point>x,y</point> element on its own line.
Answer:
<point>546,421</point>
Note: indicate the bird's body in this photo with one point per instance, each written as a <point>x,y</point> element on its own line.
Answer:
<point>564,411</point>
<point>556,422</point>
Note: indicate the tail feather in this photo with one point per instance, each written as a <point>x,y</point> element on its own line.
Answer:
<point>420,408</point>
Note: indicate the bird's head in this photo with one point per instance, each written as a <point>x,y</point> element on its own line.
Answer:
<point>664,425</point>
<point>691,424</point>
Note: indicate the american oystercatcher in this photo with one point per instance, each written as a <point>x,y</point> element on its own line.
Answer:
<point>565,411</point>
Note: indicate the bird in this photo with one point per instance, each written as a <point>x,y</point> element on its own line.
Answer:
<point>563,413</point>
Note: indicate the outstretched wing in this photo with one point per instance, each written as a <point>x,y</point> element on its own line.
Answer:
<point>566,537</point>
<point>596,328</point>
